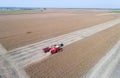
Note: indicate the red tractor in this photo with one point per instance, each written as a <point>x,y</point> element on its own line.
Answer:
<point>54,49</point>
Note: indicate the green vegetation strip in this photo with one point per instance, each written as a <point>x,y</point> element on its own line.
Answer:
<point>116,11</point>
<point>20,11</point>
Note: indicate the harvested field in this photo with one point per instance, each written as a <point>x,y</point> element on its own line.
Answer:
<point>77,58</point>
<point>23,29</point>
<point>26,55</point>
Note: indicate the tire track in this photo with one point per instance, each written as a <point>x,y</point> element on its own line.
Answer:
<point>7,67</point>
<point>107,66</point>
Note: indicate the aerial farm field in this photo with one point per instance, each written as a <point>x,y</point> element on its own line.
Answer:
<point>19,30</point>
<point>22,29</point>
<point>77,58</point>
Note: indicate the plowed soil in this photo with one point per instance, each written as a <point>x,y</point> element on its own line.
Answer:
<point>77,58</point>
<point>23,29</point>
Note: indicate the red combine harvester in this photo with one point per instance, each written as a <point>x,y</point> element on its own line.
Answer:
<point>54,49</point>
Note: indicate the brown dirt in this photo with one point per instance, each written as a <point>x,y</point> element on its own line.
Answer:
<point>23,29</point>
<point>77,58</point>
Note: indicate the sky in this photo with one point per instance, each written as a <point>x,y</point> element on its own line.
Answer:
<point>61,3</point>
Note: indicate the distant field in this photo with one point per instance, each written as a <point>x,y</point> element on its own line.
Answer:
<point>20,11</point>
<point>116,11</point>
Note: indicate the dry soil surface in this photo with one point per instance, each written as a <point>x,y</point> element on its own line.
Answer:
<point>77,58</point>
<point>24,29</point>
